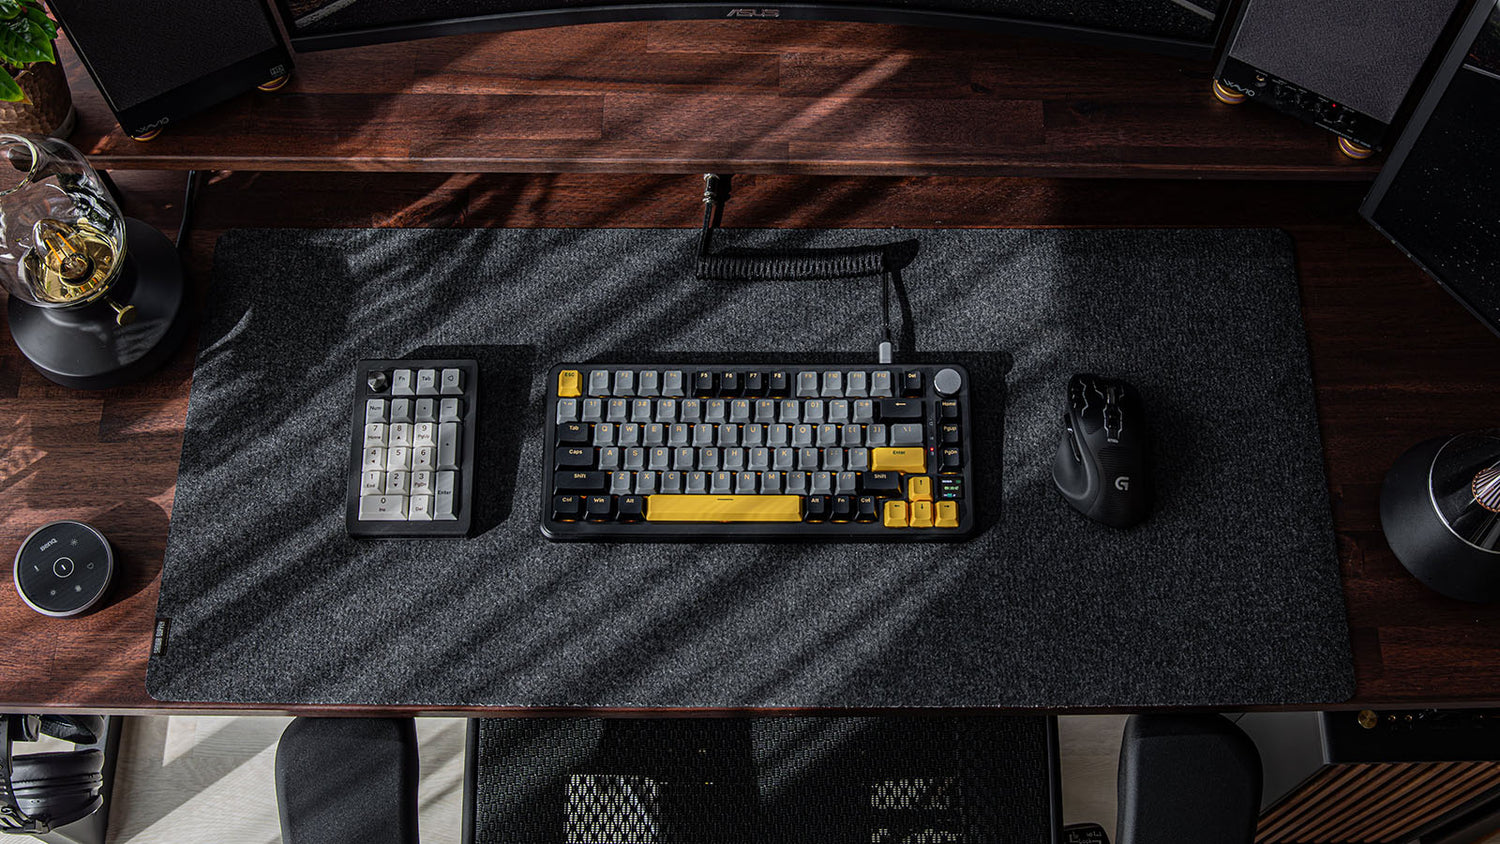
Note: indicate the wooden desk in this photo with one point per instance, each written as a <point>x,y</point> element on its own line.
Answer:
<point>1395,360</point>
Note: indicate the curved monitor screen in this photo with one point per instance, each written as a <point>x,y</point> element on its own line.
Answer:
<point>1185,27</point>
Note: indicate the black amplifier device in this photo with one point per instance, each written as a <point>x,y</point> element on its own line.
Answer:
<point>1343,65</point>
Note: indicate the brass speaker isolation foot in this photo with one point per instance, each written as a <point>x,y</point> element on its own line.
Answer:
<point>146,136</point>
<point>1227,95</point>
<point>276,83</point>
<point>1354,150</point>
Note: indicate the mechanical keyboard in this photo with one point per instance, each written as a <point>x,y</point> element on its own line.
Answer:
<point>411,471</point>
<point>757,452</point>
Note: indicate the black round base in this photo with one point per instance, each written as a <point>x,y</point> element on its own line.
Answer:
<point>63,568</point>
<point>84,348</point>
<point>1423,542</point>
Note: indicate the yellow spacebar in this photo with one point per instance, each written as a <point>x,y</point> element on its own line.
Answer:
<point>723,508</point>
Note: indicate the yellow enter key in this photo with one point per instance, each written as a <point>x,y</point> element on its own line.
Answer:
<point>912,461</point>
<point>723,508</point>
<point>569,384</point>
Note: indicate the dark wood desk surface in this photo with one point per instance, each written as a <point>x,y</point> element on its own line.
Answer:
<point>1395,361</point>
<point>735,97</point>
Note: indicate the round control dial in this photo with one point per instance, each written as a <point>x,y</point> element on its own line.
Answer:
<point>947,382</point>
<point>63,568</point>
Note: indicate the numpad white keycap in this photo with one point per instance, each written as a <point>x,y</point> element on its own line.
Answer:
<point>420,509</point>
<point>448,411</point>
<point>375,434</point>
<point>427,382</point>
<point>426,410</point>
<point>397,459</point>
<point>400,410</point>
<point>424,434</point>
<point>402,383</point>
<point>374,460</point>
<point>443,502</point>
<point>375,410</point>
<point>382,508</point>
<point>453,382</point>
<point>400,434</point>
<point>397,483</point>
<point>421,482</point>
<point>372,482</point>
<point>424,458</point>
<point>448,445</point>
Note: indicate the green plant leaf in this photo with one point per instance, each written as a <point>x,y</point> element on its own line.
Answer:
<point>39,17</point>
<point>11,8</point>
<point>23,42</point>
<point>9,91</point>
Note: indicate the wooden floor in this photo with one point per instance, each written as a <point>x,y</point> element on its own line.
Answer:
<point>1395,361</point>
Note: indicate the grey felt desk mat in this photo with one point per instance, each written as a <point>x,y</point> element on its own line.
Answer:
<point>1228,595</point>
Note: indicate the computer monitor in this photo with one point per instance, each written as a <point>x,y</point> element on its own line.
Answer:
<point>1437,197</point>
<point>1174,27</point>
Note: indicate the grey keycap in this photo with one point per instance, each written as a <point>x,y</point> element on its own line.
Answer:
<point>715,411</point>
<point>856,384</point>
<point>448,436</point>
<point>450,410</point>
<point>679,435</point>
<point>445,503</point>
<point>640,410</point>
<point>807,385</point>
<point>685,459</point>
<point>703,434</point>
<point>649,384</point>
<point>796,483</point>
<point>864,411</point>
<point>778,435</point>
<point>609,458</point>
<point>838,411</point>
<point>734,459</point>
<point>754,434</point>
<point>635,460</point>
<point>567,410</point>
<point>690,410</point>
<point>666,410</point>
<point>807,459</point>
<point>791,412</point>
<point>822,483</point>
<point>426,410</point>
<point>625,382</point>
<point>813,410</point>
<point>729,434</point>
<point>765,410</point>
<point>671,383</point>
<point>875,436</point>
<point>401,410</point>
<point>604,434</point>
<point>744,483</point>
<point>660,458</point>
<point>616,410</point>
<point>721,483</point>
<point>671,483</point>
<point>770,483</point>
<point>833,384</point>
<point>620,483</point>
<point>846,483</point>
<point>645,483</point>
<point>656,434</point>
<point>760,459</point>
<point>833,458</point>
<point>427,382</point>
<point>828,435</point>
<point>783,459</point>
<point>630,434</point>
<point>697,483</point>
<point>452,382</point>
<point>708,458</point>
<point>859,459</point>
<point>599,382</point>
<point>403,382</point>
<point>880,384</point>
<point>739,410</point>
<point>375,411</point>
<point>853,435</point>
<point>593,410</point>
<point>802,435</point>
<point>906,433</point>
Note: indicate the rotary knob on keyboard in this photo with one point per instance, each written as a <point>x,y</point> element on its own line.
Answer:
<point>947,382</point>
<point>377,381</point>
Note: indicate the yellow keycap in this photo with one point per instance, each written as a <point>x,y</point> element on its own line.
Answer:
<point>919,488</point>
<point>912,461</point>
<point>569,384</point>
<point>921,514</point>
<point>895,514</point>
<point>723,508</point>
<point>947,514</point>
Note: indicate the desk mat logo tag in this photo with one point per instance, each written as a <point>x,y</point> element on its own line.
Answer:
<point>159,637</point>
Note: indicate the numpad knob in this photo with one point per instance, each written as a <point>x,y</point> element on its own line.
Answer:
<point>947,382</point>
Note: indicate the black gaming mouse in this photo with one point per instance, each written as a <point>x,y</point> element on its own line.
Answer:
<point>1102,465</point>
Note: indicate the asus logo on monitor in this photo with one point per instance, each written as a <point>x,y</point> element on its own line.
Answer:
<point>754,13</point>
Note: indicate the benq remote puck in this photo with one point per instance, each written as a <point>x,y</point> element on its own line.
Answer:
<point>63,568</point>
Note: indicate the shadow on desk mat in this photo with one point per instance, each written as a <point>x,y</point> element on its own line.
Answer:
<point>1228,594</point>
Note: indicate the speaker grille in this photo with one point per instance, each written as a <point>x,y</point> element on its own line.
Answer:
<point>1373,803</point>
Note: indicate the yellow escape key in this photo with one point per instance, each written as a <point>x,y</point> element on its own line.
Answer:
<point>723,508</point>
<point>912,461</point>
<point>569,384</point>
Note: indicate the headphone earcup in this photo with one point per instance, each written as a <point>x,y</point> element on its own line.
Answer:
<point>61,787</point>
<point>79,729</point>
